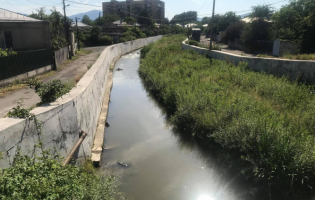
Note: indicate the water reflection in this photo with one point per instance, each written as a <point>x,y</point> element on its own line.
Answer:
<point>163,163</point>
<point>205,197</point>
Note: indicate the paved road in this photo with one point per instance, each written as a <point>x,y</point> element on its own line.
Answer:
<point>30,98</point>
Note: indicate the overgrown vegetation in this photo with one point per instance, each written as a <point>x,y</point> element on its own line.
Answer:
<point>263,124</point>
<point>50,92</point>
<point>299,56</point>
<point>6,52</point>
<point>46,178</point>
<point>19,112</point>
<point>132,34</point>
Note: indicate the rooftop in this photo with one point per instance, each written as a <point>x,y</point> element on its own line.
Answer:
<point>80,25</point>
<point>6,15</point>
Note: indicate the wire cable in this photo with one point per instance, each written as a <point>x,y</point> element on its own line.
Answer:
<point>38,3</point>
<point>12,5</point>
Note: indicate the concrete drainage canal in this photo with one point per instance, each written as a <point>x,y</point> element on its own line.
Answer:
<point>151,159</point>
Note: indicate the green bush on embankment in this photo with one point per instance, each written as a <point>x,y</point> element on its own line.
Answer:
<point>268,121</point>
<point>46,178</point>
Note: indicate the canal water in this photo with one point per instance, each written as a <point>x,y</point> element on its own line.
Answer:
<point>152,161</point>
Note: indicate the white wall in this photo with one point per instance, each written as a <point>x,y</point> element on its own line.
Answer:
<point>62,120</point>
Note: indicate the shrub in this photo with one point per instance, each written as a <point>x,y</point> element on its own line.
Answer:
<point>19,112</point>
<point>107,40</point>
<point>261,125</point>
<point>257,30</point>
<point>50,92</point>
<point>46,178</point>
<point>6,52</point>
<point>233,31</point>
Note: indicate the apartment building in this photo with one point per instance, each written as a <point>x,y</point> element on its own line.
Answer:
<point>156,8</point>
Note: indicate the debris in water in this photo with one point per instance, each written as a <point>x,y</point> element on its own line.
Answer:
<point>123,164</point>
<point>119,69</point>
<point>107,124</point>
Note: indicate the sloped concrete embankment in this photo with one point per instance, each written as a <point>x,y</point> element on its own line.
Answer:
<point>292,68</point>
<point>63,120</point>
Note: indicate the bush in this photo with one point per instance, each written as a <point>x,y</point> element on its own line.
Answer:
<point>6,52</point>
<point>257,30</point>
<point>50,92</point>
<point>46,178</point>
<point>192,42</point>
<point>19,112</point>
<point>107,40</point>
<point>261,125</point>
<point>233,31</point>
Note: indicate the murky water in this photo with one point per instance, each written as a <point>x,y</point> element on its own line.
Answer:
<point>161,165</point>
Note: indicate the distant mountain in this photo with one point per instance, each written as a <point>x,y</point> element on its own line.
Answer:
<point>93,14</point>
<point>245,15</point>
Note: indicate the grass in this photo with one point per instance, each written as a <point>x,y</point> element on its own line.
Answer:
<point>299,56</point>
<point>265,124</point>
<point>21,84</point>
<point>264,56</point>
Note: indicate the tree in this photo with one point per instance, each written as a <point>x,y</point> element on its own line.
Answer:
<point>185,18</point>
<point>262,12</point>
<point>130,20</point>
<point>86,20</point>
<point>296,22</point>
<point>206,20</point>
<point>233,31</point>
<point>110,18</point>
<point>259,28</point>
<point>40,14</point>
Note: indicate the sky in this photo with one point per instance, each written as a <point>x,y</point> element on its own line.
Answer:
<point>172,7</point>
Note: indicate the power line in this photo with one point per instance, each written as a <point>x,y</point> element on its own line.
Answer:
<point>202,5</point>
<point>38,3</point>
<point>12,5</point>
<point>85,4</point>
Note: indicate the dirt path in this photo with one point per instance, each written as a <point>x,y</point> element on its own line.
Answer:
<point>225,48</point>
<point>30,98</point>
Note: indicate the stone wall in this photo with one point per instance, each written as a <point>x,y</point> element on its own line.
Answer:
<point>63,119</point>
<point>292,68</point>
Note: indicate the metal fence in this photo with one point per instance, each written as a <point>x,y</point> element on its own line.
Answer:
<point>21,63</point>
<point>61,55</point>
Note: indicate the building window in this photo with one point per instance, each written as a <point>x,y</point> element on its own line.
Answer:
<point>148,5</point>
<point>8,39</point>
<point>158,4</point>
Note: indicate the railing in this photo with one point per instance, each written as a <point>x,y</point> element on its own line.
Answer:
<point>21,63</point>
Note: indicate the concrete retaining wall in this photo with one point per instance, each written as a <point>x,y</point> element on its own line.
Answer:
<point>292,68</point>
<point>62,120</point>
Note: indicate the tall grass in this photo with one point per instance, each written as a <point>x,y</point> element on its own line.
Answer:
<point>299,56</point>
<point>268,121</point>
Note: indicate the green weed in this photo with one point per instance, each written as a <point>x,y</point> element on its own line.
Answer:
<point>46,178</point>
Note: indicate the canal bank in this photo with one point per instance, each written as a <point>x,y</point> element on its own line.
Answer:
<point>152,159</point>
<point>63,120</point>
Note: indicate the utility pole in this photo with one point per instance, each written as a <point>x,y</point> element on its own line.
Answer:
<point>66,26</point>
<point>212,23</point>
<point>76,22</point>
